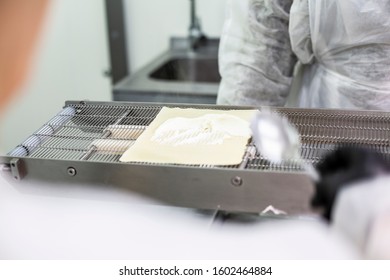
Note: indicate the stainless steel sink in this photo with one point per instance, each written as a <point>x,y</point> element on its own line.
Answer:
<point>200,70</point>
<point>179,75</point>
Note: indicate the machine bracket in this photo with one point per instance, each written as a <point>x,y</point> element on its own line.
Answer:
<point>17,168</point>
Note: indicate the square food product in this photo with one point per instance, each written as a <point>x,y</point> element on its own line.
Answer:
<point>193,136</point>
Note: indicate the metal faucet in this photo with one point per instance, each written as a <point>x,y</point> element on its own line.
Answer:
<point>196,36</point>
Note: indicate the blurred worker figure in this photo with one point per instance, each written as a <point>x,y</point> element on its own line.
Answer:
<point>20,22</point>
<point>354,194</point>
<point>342,48</point>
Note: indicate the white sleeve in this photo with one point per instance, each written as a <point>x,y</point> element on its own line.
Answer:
<point>255,57</point>
<point>362,213</point>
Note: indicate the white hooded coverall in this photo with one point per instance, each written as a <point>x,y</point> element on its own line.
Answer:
<point>344,46</point>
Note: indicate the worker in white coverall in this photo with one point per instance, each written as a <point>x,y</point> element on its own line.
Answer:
<point>342,48</point>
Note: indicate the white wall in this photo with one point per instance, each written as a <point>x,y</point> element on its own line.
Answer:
<point>70,60</point>
<point>150,24</point>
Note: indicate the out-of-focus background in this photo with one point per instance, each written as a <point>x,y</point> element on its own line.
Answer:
<point>73,62</point>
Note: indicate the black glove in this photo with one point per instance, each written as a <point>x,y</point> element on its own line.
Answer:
<point>345,165</point>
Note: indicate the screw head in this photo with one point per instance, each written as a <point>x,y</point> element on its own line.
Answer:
<point>236,181</point>
<point>71,171</point>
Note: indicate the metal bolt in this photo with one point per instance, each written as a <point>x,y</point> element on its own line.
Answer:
<point>72,171</point>
<point>236,181</point>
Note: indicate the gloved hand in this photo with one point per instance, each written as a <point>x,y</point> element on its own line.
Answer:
<point>341,167</point>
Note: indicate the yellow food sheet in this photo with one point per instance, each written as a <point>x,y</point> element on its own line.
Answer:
<point>228,151</point>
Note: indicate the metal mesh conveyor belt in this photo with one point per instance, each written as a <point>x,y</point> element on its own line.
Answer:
<point>66,142</point>
<point>68,136</point>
